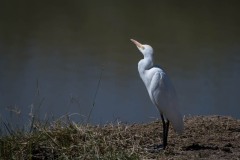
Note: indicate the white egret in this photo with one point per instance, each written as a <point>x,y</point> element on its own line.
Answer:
<point>160,90</point>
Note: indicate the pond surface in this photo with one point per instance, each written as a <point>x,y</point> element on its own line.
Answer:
<point>65,57</point>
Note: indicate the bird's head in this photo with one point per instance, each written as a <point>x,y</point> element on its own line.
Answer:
<point>145,49</point>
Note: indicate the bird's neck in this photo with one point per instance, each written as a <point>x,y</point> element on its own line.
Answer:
<point>145,64</point>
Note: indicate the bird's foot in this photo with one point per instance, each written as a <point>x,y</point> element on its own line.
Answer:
<point>155,148</point>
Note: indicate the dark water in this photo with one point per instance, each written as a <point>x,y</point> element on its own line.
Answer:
<point>54,54</point>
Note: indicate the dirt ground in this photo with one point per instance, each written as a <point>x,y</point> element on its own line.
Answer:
<point>205,137</point>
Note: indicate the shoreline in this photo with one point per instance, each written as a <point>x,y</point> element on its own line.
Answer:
<point>204,137</point>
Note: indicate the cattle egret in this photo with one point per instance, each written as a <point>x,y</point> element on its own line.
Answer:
<point>160,90</point>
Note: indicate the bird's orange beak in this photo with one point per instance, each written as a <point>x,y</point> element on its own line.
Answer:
<point>139,45</point>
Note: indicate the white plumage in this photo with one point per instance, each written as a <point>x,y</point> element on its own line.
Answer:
<point>160,90</point>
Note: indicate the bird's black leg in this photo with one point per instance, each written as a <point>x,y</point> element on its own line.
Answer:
<point>164,135</point>
<point>165,132</point>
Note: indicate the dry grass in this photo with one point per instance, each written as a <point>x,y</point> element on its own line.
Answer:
<point>204,138</point>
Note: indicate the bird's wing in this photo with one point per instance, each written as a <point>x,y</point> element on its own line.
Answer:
<point>161,89</point>
<point>164,97</point>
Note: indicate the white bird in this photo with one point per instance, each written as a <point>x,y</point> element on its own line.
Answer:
<point>161,91</point>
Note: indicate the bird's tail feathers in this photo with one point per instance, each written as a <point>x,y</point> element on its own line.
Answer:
<point>177,121</point>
